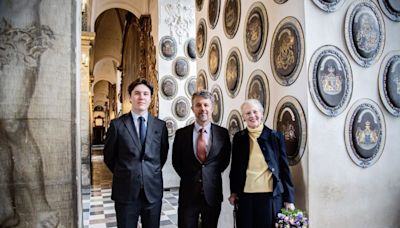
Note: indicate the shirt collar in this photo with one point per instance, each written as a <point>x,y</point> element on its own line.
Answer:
<point>207,127</point>
<point>136,116</point>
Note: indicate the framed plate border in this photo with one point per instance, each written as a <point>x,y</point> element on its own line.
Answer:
<point>382,84</point>
<point>303,124</point>
<point>348,27</point>
<point>348,134</point>
<point>287,81</point>
<point>240,72</point>
<point>312,80</point>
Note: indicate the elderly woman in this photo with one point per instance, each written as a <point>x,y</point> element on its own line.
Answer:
<point>260,178</point>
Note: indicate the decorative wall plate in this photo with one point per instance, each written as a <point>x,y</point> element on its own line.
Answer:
<point>181,108</point>
<point>190,49</point>
<point>365,132</point>
<point>213,12</point>
<point>280,1</point>
<point>172,125</point>
<point>199,5</point>
<point>258,88</point>
<point>181,67</point>
<point>218,112</point>
<point>329,5</point>
<point>201,37</point>
<point>214,58</point>
<point>330,80</point>
<point>190,86</point>
<point>190,121</point>
<point>364,32</point>
<point>168,47</point>
<point>287,51</point>
<point>201,82</point>
<point>234,122</point>
<point>289,119</point>
<point>389,82</point>
<point>233,72</point>
<point>391,8</point>
<point>256,31</point>
<point>231,17</point>
<point>168,87</point>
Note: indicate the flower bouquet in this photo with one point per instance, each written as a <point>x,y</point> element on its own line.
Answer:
<point>291,218</point>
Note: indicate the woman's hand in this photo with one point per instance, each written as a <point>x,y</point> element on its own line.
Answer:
<point>289,206</point>
<point>232,199</point>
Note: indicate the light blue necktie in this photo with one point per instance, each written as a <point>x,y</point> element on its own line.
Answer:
<point>142,129</point>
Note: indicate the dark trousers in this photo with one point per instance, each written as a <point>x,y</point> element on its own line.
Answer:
<point>193,209</point>
<point>128,213</point>
<point>255,210</point>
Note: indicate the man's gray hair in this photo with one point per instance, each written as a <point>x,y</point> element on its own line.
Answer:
<point>253,102</point>
<point>204,94</point>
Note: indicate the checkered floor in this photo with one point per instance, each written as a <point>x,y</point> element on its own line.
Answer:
<point>99,209</point>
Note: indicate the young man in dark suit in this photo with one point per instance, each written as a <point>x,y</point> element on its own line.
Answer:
<point>201,152</point>
<point>135,151</point>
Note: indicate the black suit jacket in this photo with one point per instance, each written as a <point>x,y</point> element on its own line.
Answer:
<point>132,167</point>
<point>273,147</point>
<point>192,171</point>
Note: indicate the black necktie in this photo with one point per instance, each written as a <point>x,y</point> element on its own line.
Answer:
<point>142,129</point>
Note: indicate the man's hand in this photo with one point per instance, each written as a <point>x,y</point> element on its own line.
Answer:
<point>232,199</point>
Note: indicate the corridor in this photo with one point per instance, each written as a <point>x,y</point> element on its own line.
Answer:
<point>99,208</point>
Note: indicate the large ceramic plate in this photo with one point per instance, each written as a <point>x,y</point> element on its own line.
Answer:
<point>213,12</point>
<point>289,119</point>
<point>330,80</point>
<point>364,32</point>
<point>181,67</point>
<point>181,108</point>
<point>218,111</point>
<point>234,123</point>
<point>190,49</point>
<point>231,17</point>
<point>365,132</point>
<point>168,47</point>
<point>168,87</point>
<point>256,31</point>
<point>391,8</point>
<point>329,5</point>
<point>190,86</point>
<point>258,88</point>
<point>287,51</point>
<point>233,72</point>
<point>172,125</point>
<point>389,83</point>
<point>201,37</point>
<point>201,81</point>
<point>214,58</point>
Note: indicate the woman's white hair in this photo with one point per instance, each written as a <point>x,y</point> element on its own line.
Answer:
<point>252,102</point>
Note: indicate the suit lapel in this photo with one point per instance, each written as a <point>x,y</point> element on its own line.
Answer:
<point>213,139</point>
<point>129,124</point>
<point>150,130</point>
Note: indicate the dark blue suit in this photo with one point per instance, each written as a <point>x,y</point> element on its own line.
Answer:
<point>137,175</point>
<point>272,145</point>
<point>201,184</point>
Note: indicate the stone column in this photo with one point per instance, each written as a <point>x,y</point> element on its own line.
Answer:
<point>87,39</point>
<point>39,177</point>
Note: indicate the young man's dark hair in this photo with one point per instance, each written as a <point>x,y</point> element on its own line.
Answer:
<point>140,81</point>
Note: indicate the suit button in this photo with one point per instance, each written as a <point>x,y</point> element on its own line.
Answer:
<point>273,169</point>
<point>200,180</point>
<point>203,166</point>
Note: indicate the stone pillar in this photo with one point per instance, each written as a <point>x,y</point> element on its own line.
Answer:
<point>39,185</point>
<point>87,39</point>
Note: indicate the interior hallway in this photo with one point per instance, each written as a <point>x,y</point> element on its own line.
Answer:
<point>98,208</point>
